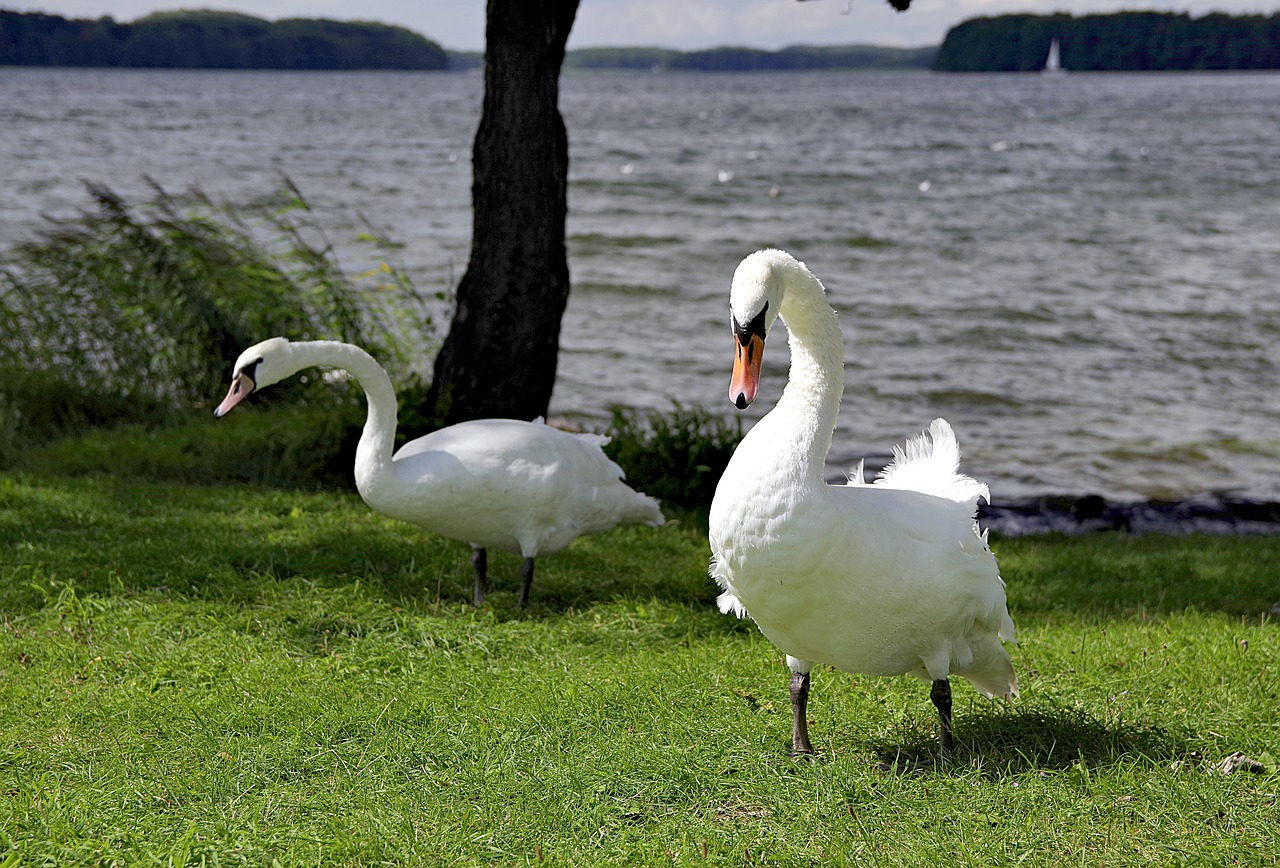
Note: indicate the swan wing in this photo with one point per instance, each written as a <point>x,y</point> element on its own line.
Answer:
<point>483,440</point>
<point>913,581</point>
<point>517,486</point>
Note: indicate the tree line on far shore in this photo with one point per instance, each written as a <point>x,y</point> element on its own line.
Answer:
<point>1123,41</point>
<point>228,40</point>
<point>212,40</point>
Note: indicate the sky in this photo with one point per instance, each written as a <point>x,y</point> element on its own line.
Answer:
<point>680,24</point>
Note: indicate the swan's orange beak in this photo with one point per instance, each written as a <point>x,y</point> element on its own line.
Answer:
<point>241,386</point>
<point>746,370</point>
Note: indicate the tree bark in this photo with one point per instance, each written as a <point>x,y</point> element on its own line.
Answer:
<point>499,357</point>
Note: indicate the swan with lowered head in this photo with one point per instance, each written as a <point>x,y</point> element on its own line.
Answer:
<point>520,487</point>
<point>890,578</point>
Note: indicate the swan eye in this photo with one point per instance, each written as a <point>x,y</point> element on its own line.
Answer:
<point>755,328</point>
<point>251,370</point>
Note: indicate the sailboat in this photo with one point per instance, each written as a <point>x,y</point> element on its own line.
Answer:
<point>1053,63</point>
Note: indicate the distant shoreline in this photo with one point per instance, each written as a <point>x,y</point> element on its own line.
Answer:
<point>203,39</point>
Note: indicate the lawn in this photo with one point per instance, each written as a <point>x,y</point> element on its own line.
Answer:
<point>243,675</point>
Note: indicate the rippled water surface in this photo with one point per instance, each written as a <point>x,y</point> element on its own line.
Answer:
<point>1081,274</point>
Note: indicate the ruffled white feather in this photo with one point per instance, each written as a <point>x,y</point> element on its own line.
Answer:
<point>930,463</point>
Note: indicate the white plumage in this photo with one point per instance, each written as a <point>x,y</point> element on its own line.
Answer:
<point>889,578</point>
<point>520,487</point>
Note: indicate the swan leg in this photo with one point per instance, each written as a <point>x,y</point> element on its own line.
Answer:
<point>526,573</point>
<point>941,696</point>
<point>799,709</point>
<point>479,560</point>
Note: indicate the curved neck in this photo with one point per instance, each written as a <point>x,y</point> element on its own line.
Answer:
<point>810,402</point>
<point>373,454</point>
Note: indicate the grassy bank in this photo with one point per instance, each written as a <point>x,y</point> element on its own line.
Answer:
<point>235,675</point>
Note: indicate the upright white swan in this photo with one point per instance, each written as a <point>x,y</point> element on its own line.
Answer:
<point>890,578</point>
<point>520,487</point>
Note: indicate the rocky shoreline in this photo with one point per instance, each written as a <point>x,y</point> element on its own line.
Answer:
<point>1215,514</point>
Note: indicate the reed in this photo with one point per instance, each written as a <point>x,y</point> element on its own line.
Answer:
<point>133,312</point>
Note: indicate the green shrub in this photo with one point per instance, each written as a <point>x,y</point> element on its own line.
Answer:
<point>677,457</point>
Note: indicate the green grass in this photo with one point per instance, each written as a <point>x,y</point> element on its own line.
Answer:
<point>241,675</point>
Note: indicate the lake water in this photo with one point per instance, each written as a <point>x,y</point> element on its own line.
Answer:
<point>1082,274</point>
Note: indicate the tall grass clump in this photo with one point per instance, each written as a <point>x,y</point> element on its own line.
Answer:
<point>130,313</point>
<point>676,456</point>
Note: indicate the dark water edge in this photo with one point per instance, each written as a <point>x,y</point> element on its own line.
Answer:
<point>1209,513</point>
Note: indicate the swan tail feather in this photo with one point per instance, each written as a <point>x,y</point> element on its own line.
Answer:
<point>930,463</point>
<point>990,669</point>
<point>645,510</point>
<point>995,679</point>
<point>982,661</point>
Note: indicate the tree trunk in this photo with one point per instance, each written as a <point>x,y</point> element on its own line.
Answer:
<point>499,357</point>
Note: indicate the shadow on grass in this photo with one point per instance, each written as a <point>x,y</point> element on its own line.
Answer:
<point>228,543</point>
<point>1010,739</point>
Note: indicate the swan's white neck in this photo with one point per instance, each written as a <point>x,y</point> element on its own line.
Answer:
<point>377,442</point>
<point>810,402</point>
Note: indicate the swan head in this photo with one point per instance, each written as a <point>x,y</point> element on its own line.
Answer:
<point>755,299</point>
<point>261,365</point>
